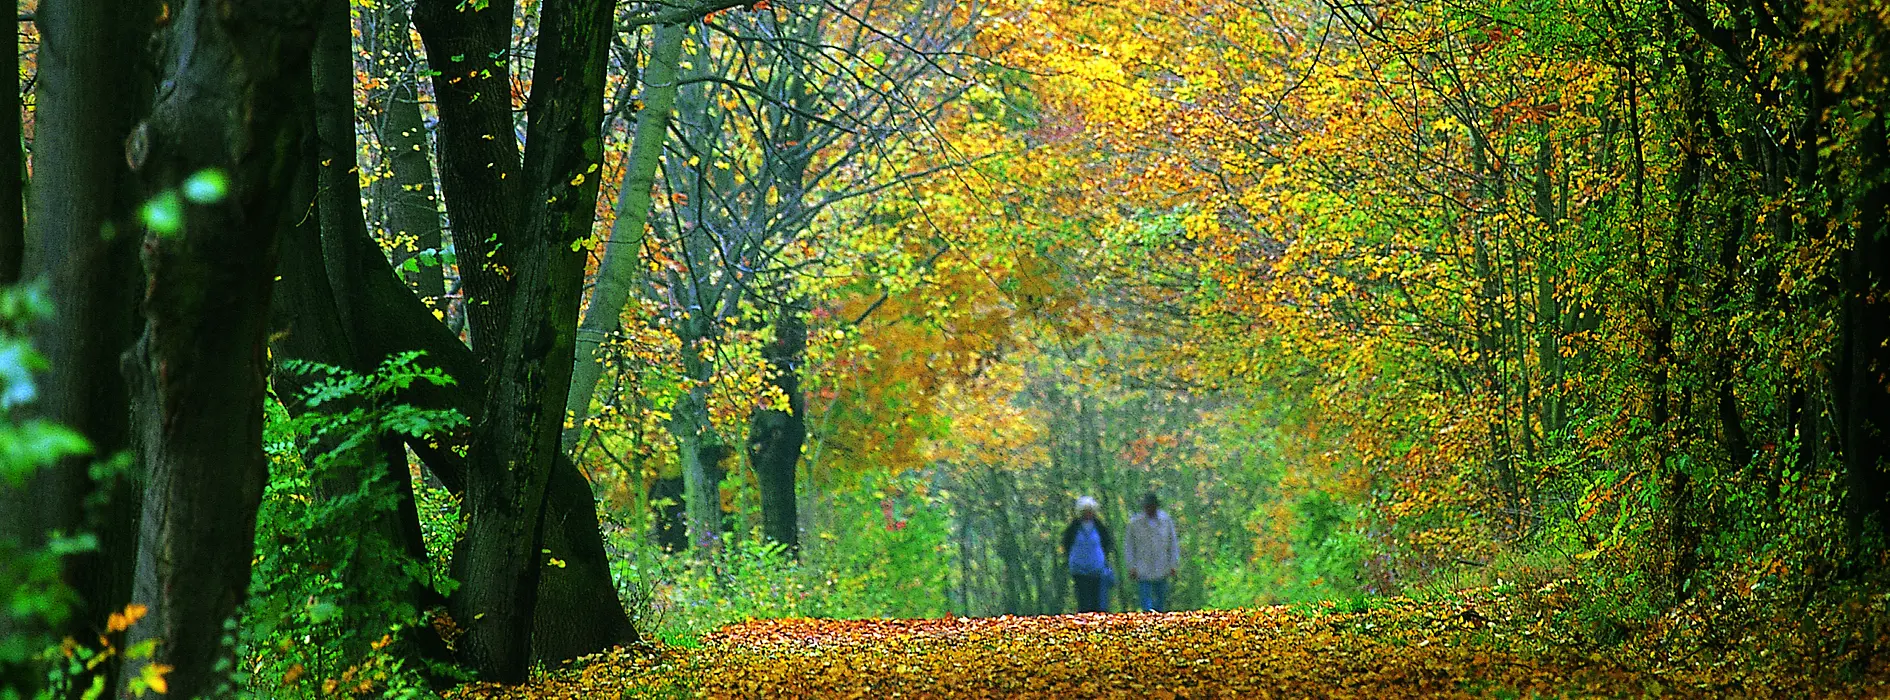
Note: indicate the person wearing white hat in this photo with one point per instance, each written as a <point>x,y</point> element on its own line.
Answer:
<point>1087,545</point>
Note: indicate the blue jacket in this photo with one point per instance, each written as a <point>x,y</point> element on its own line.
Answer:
<point>1087,557</point>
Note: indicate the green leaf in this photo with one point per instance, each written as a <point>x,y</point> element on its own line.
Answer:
<point>207,186</point>
<point>164,214</point>
<point>142,649</point>
<point>18,362</point>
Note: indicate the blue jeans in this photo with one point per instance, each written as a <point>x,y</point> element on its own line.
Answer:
<point>1154,594</point>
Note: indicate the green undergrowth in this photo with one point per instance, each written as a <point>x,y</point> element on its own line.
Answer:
<point>865,566</point>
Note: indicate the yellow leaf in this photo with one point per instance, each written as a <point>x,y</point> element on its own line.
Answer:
<point>153,677</point>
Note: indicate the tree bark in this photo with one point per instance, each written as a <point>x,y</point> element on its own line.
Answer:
<point>308,322</point>
<point>689,427</point>
<point>337,205</point>
<point>578,609</point>
<point>305,323</point>
<point>236,74</point>
<point>775,436</point>
<point>469,49</point>
<point>1862,401</point>
<point>516,444</point>
<point>618,271</point>
<point>94,84</point>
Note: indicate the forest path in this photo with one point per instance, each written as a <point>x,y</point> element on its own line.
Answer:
<point>1402,649</point>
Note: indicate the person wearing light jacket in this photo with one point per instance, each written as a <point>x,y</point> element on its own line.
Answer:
<point>1152,552</point>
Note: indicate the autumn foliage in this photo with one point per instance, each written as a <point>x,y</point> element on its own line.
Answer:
<point>1492,347</point>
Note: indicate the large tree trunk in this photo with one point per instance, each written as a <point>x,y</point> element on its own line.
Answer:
<point>618,271</point>
<point>516,444</point>
<point>406,208</point>
<point>775,437</point>
<point>1863,404</point>
<point>308,323</point>
<point>385,318</point>
<point>578,609</point>
<point>236,76</point>
<point>305,325</point>
<point>91,91</point>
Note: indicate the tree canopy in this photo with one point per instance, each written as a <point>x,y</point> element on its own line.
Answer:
<point>375,346</point>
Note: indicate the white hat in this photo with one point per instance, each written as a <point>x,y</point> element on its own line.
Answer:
<point>1087,504</point>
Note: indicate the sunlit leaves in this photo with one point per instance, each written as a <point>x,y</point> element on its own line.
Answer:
<point>151,677</point>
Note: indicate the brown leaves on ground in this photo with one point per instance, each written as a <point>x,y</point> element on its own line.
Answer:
<point>1406,649</point>
<point>1255,653</point>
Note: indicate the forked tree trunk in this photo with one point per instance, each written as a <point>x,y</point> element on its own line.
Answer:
<point>308,324</point>
<point>237,74</point>
<point>515,446</point>
<point>578,611</point>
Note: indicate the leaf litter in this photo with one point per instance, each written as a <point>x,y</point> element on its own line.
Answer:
<point>1484,646</point>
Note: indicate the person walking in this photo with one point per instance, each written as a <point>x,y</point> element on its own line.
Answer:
<point>1087,545</point>
<point>1152,553</point>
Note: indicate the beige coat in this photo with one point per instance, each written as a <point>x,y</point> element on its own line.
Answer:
<point>1151,550</point>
